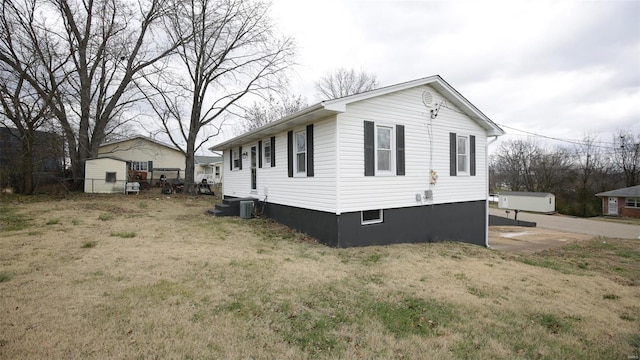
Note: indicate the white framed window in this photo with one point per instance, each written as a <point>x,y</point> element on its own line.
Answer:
<point>462,155</point>
<point>110,177</point>
<point>384,149</point>
<point>368,217</point>
<point>267,153</point>
<point>300,146</point>
<point>236,158</point>
<point>254,168</point>
<point>139,166</point>
<point>217,171</point>
<point>632,202</point>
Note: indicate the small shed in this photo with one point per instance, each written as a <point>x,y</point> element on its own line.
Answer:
<point>105,175</point>
<point>621,202</point>
<point>527,201</point>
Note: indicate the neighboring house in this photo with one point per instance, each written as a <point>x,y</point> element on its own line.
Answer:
<point>400,164</point>
<point>105,175</point>
<point>148,158</point>
<point>209,168</point>
<point>621,202</point>
<point>48,156</point>
<point>527,201</point>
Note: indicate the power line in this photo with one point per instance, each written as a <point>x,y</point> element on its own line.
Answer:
<point>607,145</point>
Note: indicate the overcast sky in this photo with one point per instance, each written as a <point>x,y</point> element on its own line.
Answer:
<point>558,68</point>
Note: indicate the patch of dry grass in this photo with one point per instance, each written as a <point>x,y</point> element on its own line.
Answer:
<point>193,286</point>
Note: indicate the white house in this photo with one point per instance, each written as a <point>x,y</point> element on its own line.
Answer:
<point>400,164</point>
<point>527,201</point>
<point>148,158</point>
<point>208,168</point>
<point>105,175</point>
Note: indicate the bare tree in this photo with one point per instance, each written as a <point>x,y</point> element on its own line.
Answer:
<point>109,43</point>
<point>514,162</point>
<point>234,52</point>
<point>590,165</point>
<point>552,169</point>
<point>626,156</point>
<point>272,109</point>
<point>343,82</point>
<point>524,165</point>
<point>22,74</point>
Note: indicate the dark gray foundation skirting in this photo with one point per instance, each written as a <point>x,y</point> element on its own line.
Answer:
<point>465,222</point>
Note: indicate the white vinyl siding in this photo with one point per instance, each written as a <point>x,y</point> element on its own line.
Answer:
<point>358,192</point>
<point>339,184</point>
<point>316,193</point>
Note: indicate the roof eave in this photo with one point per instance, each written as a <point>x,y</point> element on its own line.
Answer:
<point>335,106</point>
<point>304,116</point>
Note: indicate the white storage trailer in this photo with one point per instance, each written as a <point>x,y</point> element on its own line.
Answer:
<point>527,201</point>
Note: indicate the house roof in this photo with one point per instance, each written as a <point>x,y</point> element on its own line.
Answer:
<point>336,106</point>
<point>208,159</point>
<point>526,193</point>
<point>632,191</point>
<point>108,157</point>
<point>143,138</point>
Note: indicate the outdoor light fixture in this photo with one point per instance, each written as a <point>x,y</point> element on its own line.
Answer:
<point>245,155</point>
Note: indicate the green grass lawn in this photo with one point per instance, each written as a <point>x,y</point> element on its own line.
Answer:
<point>104,277</point>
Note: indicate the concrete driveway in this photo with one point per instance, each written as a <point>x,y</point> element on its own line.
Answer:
<point>577,225</point>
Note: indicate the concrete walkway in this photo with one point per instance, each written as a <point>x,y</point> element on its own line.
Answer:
<point>577,225</point>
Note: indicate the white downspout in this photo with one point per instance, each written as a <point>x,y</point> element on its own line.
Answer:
<point>486,155</point>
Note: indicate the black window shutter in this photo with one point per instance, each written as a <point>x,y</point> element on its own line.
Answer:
<point>310,150</point>
<point>150,166</point>
<point>231,159</point>
<point>240,157</point>
<point>400,170</point>
<point>472,155</point>
<point>273,151</point>
<point>259,154</point>
<point>290,153</point>
<point>369,150</point>
<point>453,169</point>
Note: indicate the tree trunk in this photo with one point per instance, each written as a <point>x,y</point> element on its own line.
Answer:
<point>189,166</point>
<point>27,163</point>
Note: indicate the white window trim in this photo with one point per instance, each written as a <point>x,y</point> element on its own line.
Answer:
<point>296,172</point>
<point>392,151</point>
<point>466,171</point>
<point>141,164</point>
<point>374,221</point>
<point>266,155</point>
<point>253,167</point>
<point>637,203</point>
<point>235,155</point>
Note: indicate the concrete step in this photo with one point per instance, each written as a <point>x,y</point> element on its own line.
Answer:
<point>218,212</point>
